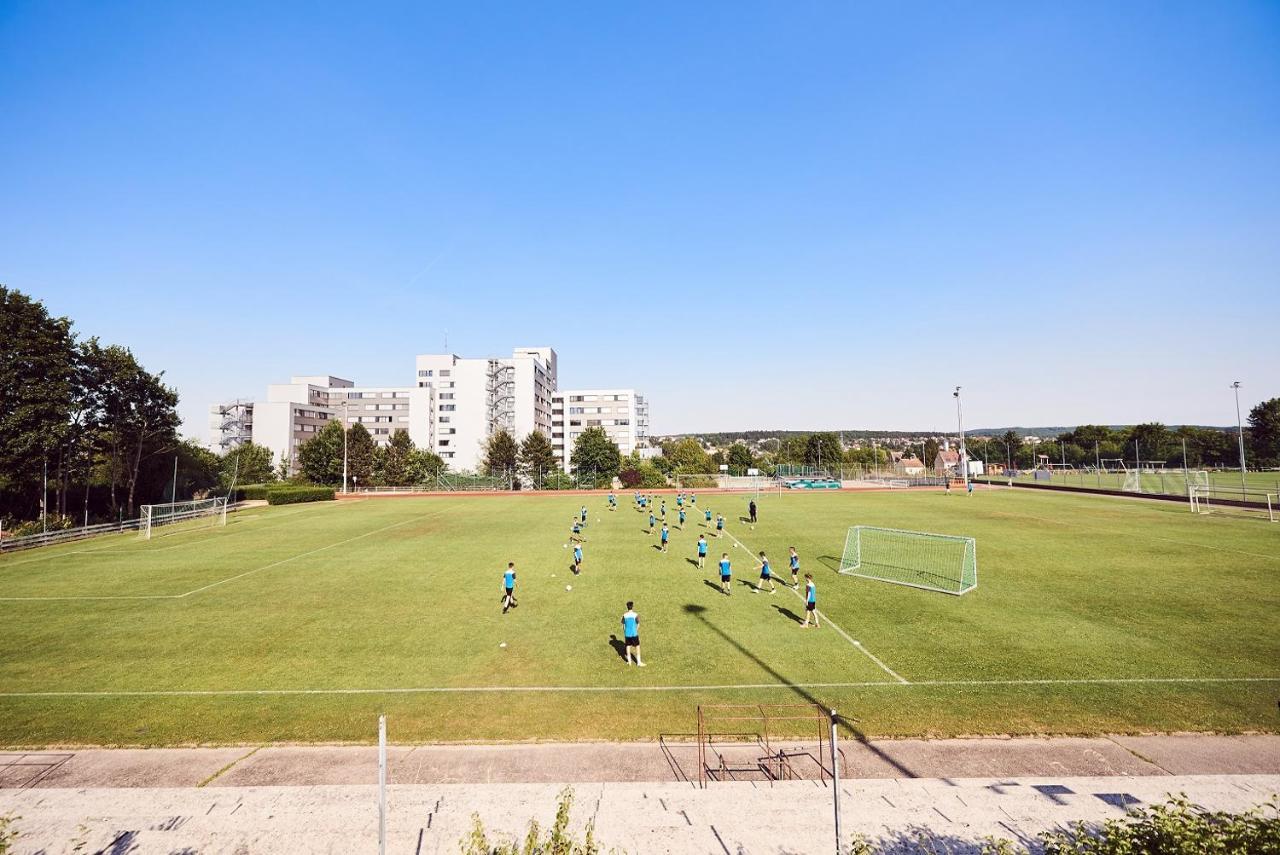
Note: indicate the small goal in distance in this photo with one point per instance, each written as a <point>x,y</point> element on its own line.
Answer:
<point>197,513</point>
<point>945,563</point>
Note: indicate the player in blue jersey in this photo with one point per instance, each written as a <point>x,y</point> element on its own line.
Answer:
<point>577,558</point>
<point>652,520</point>
<point>663,510</point>
<point>631,633</point>
<point>702,551</point>
<point>726,574</point>
<point>666,535</point>
<point>613,502</point>
<point>583,512</point>
<point>693,498</point>
<point>719,525</point>
<point>795,568</point>
<point>766,575</point>
<point>509,587</point>
<point>810,602</point>
<point>681,518</point>
<point>575,533</point>
<point>708,517</point>
<point>679,500</point>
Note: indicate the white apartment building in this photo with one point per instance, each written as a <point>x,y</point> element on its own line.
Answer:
<point>623,414</point>
<point>453,408</point>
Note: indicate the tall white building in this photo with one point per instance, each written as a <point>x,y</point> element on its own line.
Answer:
<point>453,407</point>
<point>623,414</point>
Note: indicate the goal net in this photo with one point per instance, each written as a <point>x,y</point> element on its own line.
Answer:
<point>936,562</point>
<point>1167,482</point>
<point>1237,501</point>
<point>197,513</point>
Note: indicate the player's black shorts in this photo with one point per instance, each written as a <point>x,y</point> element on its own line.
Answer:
<point>766,575</point>
<point>510,591</point>
<point>809,607</point>
<point>633,641</point>
<point>725,577</point>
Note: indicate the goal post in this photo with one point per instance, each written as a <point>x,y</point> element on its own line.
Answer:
<point>945,563</point>
<point>196,513</point>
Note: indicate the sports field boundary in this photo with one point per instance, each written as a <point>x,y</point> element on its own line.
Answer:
<point>705,687</point>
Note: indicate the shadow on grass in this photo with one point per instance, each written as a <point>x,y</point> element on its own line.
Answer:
<point>692,561</point>
<point>786,612</point>
<point>843,723</point>
<point>830,562</point>
<point>712,585</point>
<point>619,647</point>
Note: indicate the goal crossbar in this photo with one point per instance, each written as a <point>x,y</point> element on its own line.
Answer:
<point>946,563</point>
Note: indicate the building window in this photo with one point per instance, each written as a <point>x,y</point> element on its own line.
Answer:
<point>446,373</point>
<point>448,408</point>
<point>424,372</point>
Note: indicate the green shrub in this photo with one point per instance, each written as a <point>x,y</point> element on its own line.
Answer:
<point>556,840</point>
<point>254,492</point>
<point>1177,827</point>
<point>699,482</point>
<point>296,495</point>
<point>8,834</point>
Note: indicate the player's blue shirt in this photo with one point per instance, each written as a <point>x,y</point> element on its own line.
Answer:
<point>509,578</point>
<point>576,528</point>
<point>651,520</point>
<point>584,514</point>
<point>664,535</point>
<point>631,624</point>
<point>764,568</point>
<point>613,499</point>
<point>708,516</point>
<point>720,522</point>
<point>795,562</point>
<point>702,547</point>
<point>577,552</point>
<point>812,596</point>
<point>724,566</point>
<point>679,501</point>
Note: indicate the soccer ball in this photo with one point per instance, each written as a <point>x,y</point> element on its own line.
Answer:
<point>568,587</point>
<point>753,528</point>
<point>503,644</point>
<point>566,546</point>
<point>597,519</point>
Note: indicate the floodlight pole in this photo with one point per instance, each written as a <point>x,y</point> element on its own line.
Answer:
<point>964,456</point>
<point>382,785</point>
<point>44,500</point>
<point>345,405</point>
<point>173,492</point>
<point>1240,434</point>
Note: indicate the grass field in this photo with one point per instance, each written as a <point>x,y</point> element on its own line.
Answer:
<point>1172,482</point>
<point>303,623</point>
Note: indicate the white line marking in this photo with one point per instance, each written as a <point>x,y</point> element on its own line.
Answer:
<point>858,645</point>
<point>711,687</point>
<point>229,578</point>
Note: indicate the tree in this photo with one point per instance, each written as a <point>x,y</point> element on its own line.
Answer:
<point>198,469</point>
<point>320,457</point>
<point>392,462</point>
<point>1264,433</point>
<point>37,364</point>
<point>687,455</point>
<point>1153,440</point>
<point>423,466</point>
<point>501,455</point>
<point>739,456</point>
<point>247,463</point>
<point>1012,443</point>
<point>537,457</point>
<point>360,454</point>
<point>595,453</point>
<point>823,450</point>
<point>930,452</point>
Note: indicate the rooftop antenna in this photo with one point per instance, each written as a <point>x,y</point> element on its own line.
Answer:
<point>446,341</point>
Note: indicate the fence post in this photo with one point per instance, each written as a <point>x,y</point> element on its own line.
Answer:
<point>835,777</point>
<point>382,785</point>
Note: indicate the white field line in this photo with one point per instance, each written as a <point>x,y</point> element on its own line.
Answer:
<point>220,581</point>
<point>709,687</point>
<point>857,644</point>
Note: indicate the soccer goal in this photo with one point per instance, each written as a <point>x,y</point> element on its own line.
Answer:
<point>197,513</point>
<point>1237,501</point>
<point>1165,482</point>
<point>935,562</point>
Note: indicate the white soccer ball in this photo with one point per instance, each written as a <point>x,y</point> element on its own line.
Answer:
<point>568,587</point>
<point>597,519</point>
<point>503,644</point>
<point>566,546</point>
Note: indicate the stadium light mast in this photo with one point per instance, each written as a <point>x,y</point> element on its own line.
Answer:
<point>964,456</point>
<point>345,404</point>
<point>1239,433</point>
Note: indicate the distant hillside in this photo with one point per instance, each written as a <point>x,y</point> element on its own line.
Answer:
<point>726,437</point>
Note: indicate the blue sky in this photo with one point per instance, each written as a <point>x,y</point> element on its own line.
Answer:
<point>765,215</point>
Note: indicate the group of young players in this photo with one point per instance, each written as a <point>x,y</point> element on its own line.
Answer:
<point>645,504</point>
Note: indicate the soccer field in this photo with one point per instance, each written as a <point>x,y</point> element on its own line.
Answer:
<point>303,623</point>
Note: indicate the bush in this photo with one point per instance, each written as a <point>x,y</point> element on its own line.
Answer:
<point>645,476</point>
<point>699,482</point>
<point>296,495</point>
<point>557,839</point>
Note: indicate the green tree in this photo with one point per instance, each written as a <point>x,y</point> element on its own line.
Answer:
<point>1264,433</point>
<point>392,462</point>
<point>537,457</point>
<point>360,454</point>
<point>198,469</point>
<point>320,457</point>
<point>1010,443</point>
<point>501,454</point>
<point>687,455</point>
<point>823,450</point>
<point>139,418</point>
<point>1154,440</point>
<point>739,457</point>
<point>931,448</point>
<point>247,463</point>
<point>595,453</point>
<point>423,466</point>
<point>37,374</point>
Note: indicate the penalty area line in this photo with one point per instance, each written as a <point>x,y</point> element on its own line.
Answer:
<point>710,687</point>
<point>857,644</point>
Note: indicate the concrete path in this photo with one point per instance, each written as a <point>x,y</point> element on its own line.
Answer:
<point>320,799</point>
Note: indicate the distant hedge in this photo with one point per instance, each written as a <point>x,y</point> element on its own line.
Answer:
<point>295,495</point>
